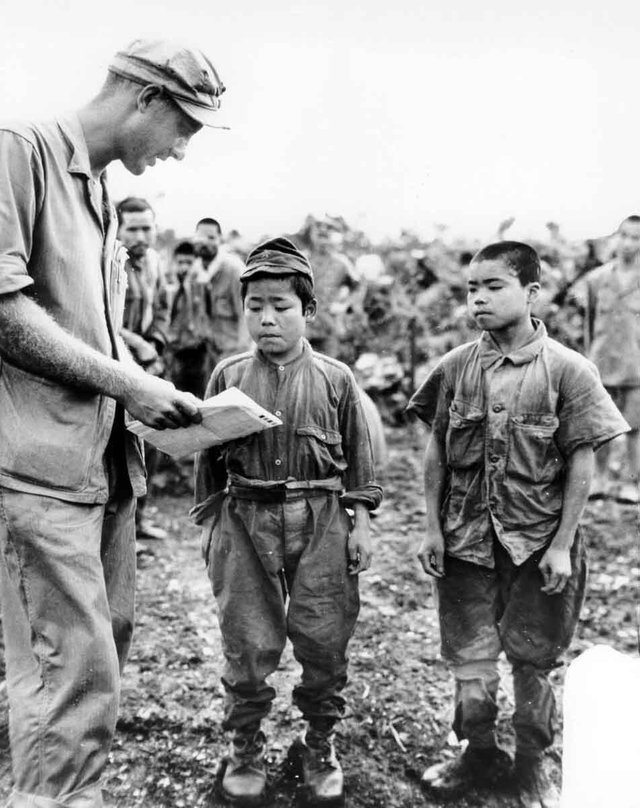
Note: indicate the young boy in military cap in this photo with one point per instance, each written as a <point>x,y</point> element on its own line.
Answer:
<point>515,418</point>
<point>283,553</point>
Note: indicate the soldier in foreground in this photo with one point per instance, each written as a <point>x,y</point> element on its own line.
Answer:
<point>69,471</point>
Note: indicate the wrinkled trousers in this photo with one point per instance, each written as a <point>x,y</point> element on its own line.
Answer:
<point>279,570</point>
<point>486,611</point>
<point>67,580</point>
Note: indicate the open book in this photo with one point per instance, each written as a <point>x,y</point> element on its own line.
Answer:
<point>231,414</point>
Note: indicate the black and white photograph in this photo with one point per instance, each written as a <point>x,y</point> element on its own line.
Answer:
<point>319,404</point>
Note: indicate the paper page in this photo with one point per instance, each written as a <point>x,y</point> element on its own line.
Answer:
<point>229,415</point>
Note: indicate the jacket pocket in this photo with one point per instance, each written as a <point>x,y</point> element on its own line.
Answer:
<point>319,448</point>
<point>49,434</point>
<point>465,436</point>
<point>533,452</point>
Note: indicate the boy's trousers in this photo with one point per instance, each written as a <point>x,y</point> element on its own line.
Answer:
<point>67,582</point>
<point>485,611</point>
<point>260,555</point>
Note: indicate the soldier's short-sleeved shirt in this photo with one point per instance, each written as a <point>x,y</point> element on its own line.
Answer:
<point>508,423</point>
<point>58,246</point>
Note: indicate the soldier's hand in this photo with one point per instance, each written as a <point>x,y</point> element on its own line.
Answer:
<point>431,554</point>
<point>157,403</point>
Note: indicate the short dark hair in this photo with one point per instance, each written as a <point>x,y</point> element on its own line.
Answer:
<point>521,259</point>
<point>633,219</point>
<point>184,248</point>
<point>212,222</point>
<point>132,204</point>
<point>300,286</point>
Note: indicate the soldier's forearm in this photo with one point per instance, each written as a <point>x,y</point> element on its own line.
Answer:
<point>33,341</point>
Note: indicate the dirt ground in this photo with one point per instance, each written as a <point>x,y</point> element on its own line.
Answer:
<point>169,744</point>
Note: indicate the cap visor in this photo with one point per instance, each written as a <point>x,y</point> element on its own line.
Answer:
<point>269,269</point>
<point>207,117</point>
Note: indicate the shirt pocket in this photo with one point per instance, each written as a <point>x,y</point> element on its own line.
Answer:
<point>534,455</point>
<point>465,436</point>
<point>319,449</point>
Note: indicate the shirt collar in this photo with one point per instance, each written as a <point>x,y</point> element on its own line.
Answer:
<point>71,128</point>
<point>306,352</point>
<point>490,353</point>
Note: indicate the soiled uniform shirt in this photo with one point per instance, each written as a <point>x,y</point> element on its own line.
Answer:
<point>58,245</point>
<point>146,308</point>
<point>220,283</point>
<point>612,324</point>
<point>509,422</point>
<point>324,434</point>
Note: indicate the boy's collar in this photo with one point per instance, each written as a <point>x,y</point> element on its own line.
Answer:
<point>490,354</point>
<point>305,352</point>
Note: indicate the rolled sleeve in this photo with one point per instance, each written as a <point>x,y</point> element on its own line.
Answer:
<point>360,483</point>
<point>587,413</point>
<point>21,183</point>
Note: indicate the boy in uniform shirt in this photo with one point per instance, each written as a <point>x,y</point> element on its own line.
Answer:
<point>515,418</point>
<point>276,528</point>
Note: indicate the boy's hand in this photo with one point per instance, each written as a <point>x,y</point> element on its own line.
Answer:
<point>555,567</point>
<point>431,554</point>
<point>359,548</point>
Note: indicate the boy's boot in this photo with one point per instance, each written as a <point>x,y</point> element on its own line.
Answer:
<point>474,767</point>
<point>483,763</point>
<point>244,779</point>
<point>535,789</point>
<point>321,769</point>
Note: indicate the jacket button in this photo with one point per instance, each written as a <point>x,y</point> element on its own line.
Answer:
<point>278,462</point>
<point>498,407</point>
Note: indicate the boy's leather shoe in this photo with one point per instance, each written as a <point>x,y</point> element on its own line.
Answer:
<point>535,789</point>
<point>244,780</point>
<point>472,768</point>
<point>321,769</point>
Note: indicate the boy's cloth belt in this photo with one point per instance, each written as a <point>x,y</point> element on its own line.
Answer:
<point>269,491</point>
<point>263,491</point>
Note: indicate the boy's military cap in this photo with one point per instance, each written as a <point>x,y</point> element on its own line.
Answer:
<point>277,256</point>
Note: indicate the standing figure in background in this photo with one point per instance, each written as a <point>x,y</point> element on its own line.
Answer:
<point>335,284</point>
<point>217,272</point>
<point>610,295</point>
<point>69,470</point>
<point>145,321</point>
<point>188,329</point>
